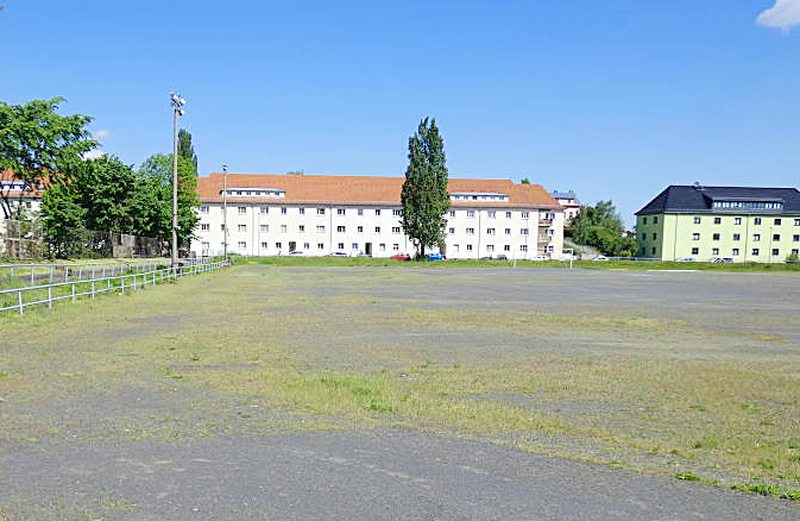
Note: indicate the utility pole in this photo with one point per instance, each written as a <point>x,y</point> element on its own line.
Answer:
<point>225,210</point>
<point>177,103</point>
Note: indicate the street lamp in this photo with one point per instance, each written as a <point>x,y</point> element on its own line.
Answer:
<point>177,103</point>
<point>225,209</point>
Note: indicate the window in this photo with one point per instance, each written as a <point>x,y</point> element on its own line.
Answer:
<point>644,220</point>
<point>204,209</point>
<point>490,231</point>
<point>302,211</point>
<point>470,231</point>
<point>757,220</point>
<point>341,246</point>
<point>205,227</point>
<point>508,215</point>
<point>695,236</point>
<point>452,213</point>
<point>523,231</point>
<point>340,229</point>
<point>265,209</point>
<point>222,227</point>
<point>735,252</point>
<point>264,245</point>
<point>655,235</point>
<point>395,247</point>
<point>524,215</point>
<point>795,251</point>
<point>278,245</point>
<point>695,251</point>
<point>265,228</point>
<point>508,231</point>
<point>340,211</point>
<point>714,251</point>
<point>655,220</point>
<point>451,230</point>
<point>796,238</point>
<point>775,252</point>
<point>523,247</point>
<point>377,229</point>
<point>320,211</point>
<point>797,222</point>
<point>470,214</point>
<point>644,236</point>
<point>301,228</point>
<point>283,228</point>
<point>697,220</point>
<point>397,213</point>
<point>383,247</point>
<point>653,251</point>
<point>507,247</point>
<point>395,229</point>
<point>776,237</point>
<point>377,212</point>
<point>777,222</point>
<point>715,237</point>
<point>737,220</point>
<point>756,237</point>
<point>755,252</point>
<point>206,245</point>
<point>455,248</point>
<point>306,246</point>
<point>242,210</point>
<point>242,245</point>
<point>242,227</point>
<point>360,229</point>
<point>491,214</point>
<point>469,247</point>
<point>320,229</point>
<point>717,220</point>
<point>320,246</point>
<point>283,211</point>
<point>737,237</point>
<point>355,245</point>
<point>490,247</point>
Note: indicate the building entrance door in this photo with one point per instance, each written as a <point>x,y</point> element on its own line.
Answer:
<point>292,246</point>
<point>368,249</point>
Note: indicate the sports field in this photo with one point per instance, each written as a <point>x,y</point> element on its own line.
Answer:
<point>690,375</point>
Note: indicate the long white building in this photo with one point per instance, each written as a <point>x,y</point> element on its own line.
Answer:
<point>317,215</point>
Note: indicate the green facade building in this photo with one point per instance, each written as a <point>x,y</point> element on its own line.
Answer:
<point>703,223</point>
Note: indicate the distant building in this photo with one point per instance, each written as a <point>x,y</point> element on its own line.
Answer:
<point>20,194</point>
<point>319,215</point>
<point>569,202</point>
<point>706,222</point>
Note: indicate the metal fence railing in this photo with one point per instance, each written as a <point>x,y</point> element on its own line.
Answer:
<point>18,299</point>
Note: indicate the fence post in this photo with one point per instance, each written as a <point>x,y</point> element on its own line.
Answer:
<point>93,286</point>
<point>51,275</point>
<point>73,292</point>
<point>50,297</point>
<point>32,272</point>
<point>21,308</point>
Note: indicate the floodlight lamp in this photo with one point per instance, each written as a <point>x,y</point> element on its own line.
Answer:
<point>181,112</point>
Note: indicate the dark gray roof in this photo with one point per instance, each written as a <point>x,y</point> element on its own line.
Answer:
<point>566,195</point>
<point>700,199</point>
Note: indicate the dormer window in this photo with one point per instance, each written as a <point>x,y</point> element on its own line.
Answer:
<point>257,192</point>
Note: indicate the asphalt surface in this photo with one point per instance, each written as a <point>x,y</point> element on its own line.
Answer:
<point>394,474</point>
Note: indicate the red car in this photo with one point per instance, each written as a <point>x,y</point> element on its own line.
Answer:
<point>401,256</point>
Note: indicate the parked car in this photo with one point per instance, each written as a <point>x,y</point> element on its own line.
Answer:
<point>570,257</point>
<point>297,253</point>
<point>337,254</point>
<point>501,257</point>
<point>401,256</point>
<point>362,254</point>
<point>540,258</point>
<point>600,258</point>
<point>685,259</point>
<point>721,260</point>
<point>435,256</point>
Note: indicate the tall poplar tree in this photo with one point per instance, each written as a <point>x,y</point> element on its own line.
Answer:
<point>425,198</point>
<point>186,149</point>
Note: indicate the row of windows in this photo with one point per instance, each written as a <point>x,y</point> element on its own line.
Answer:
<point>491,214</point>
<point>776,237</point>
<point>490,248</point>
<point>757,205</point>
<point>755,252</point>
<point>493,231</point>
<point>264,228</point>
<point>736,220</point>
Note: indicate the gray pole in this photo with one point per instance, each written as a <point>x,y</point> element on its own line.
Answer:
<point>225,210</point>
<point>175,190</point>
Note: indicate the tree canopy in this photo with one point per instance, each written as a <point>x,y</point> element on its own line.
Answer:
<point>601,227</point>
<point>186,149</point>
<point>39,146</point>
<point>424,197</point>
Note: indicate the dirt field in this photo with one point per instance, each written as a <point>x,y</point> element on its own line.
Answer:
<point>668,374</point>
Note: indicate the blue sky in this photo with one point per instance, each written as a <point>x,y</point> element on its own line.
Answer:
<point>613,99</point>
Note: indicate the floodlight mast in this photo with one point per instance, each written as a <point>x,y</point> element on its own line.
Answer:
<point>225,210</point>
<point>177,103</point>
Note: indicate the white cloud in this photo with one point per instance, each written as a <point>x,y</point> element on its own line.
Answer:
<point>102,134</point>
<point>93,154</point>
<point>784,15</point>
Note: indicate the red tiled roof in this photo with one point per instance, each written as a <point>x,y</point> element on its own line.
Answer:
<point>367,190</point>
<point>8,175</point>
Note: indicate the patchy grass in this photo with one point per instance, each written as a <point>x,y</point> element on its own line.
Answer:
<point>362,348</point>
